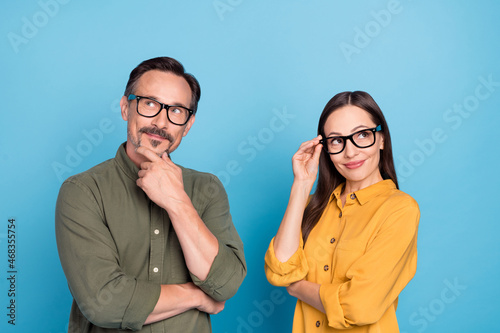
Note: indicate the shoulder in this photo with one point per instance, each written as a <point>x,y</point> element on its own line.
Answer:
<point>399,209</point>
<point>191,174</point>
<point>89,179</point>
<point>401,200</point>
<point>202,184</point>
<point>197,178</point>
<point>83,192</point>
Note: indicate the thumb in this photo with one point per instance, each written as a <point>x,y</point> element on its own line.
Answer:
<point>317,152</point>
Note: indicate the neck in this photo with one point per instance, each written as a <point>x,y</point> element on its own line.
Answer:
<point>353,186</point>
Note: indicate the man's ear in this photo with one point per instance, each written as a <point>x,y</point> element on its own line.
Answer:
<point>124,106</point>
<point>188,125</point>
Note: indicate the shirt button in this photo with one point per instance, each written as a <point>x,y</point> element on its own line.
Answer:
<point>332,240</point>
<point>157,231</point>
<point>155,269</point>
<point>340,214</point>
<point>353,196</point>
<point>325,268</point>
<point>318,323</point>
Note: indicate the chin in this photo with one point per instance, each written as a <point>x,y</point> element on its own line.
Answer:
<point>354,175</point>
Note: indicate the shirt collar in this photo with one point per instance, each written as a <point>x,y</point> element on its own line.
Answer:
<point>126,163</point>
<point>366,194</point>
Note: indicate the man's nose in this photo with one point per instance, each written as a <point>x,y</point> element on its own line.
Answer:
<point>161,119</point>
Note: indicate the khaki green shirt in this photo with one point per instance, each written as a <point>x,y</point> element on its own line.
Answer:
<point>117,247</point>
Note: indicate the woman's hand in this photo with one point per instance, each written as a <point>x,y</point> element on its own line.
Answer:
<point>306,159</point>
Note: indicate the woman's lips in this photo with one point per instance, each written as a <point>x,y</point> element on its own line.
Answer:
<point>354,165</point>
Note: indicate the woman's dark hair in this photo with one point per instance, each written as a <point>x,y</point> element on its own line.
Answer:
<point>328,177</point>
<point>169,65</point>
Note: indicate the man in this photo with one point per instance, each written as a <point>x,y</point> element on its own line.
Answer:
<point>147,245</point>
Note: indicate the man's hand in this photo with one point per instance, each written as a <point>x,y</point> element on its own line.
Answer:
<point>160,179</point>
<point>204,302</point>
<point>209,305</point>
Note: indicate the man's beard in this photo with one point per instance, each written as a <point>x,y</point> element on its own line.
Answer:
<point>154,143</point>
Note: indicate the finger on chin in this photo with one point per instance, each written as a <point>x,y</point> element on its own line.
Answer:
<point>165,157</point>
<point>148,153</point>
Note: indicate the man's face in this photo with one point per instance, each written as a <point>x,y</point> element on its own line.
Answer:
<point>157,133</point>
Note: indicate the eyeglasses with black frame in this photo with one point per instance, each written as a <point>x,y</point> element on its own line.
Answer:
<point>361,139</point>
<point>149,107</point>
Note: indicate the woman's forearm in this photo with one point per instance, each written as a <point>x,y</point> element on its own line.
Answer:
<point>287,238</point>
<point>307,292</point>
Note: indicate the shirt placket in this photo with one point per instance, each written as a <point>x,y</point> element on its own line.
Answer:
<point>156,253</point>
<point>326,242</point>
<point>344,210</point>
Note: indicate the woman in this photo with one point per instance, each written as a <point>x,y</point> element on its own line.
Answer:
<point>350,252</point>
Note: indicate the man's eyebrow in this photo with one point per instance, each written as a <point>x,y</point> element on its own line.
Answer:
<point>158,100</point>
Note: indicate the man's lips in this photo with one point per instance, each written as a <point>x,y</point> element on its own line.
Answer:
<point>354,165</point>
<point>155,136</point>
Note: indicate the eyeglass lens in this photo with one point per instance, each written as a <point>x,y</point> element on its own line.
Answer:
<point>361,139</point>
<point>150,108</point>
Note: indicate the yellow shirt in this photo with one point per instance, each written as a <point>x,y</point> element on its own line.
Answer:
<point>362,255</point>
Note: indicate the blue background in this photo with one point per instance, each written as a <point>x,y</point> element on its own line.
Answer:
<point>64,66</point>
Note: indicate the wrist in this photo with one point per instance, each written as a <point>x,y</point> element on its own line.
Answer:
<point>292,288</point>
<point>174,206</point>
<point>302,188</point>
<point>193,294</point>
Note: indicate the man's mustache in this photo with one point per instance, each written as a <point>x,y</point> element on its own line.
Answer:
<point>157,131</point>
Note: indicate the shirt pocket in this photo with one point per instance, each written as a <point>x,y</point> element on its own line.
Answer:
<point>347,253</point>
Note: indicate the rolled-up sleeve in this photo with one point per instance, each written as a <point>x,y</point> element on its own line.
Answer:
<point>282,274</point>
<point>105,295</point>
<point>374,281</point>
<point>229,267</point>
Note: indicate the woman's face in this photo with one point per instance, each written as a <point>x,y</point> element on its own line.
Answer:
<point>359,166</point>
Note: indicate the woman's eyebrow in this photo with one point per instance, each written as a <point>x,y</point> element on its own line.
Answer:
<point>352,131</point>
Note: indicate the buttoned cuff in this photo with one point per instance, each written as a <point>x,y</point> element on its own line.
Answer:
<point>282,274</point>
<point>144,299</point>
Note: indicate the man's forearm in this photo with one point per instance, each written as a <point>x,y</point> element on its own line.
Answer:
<point>199,245</point>
<point>178,298</point>
<point>174,299</point>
